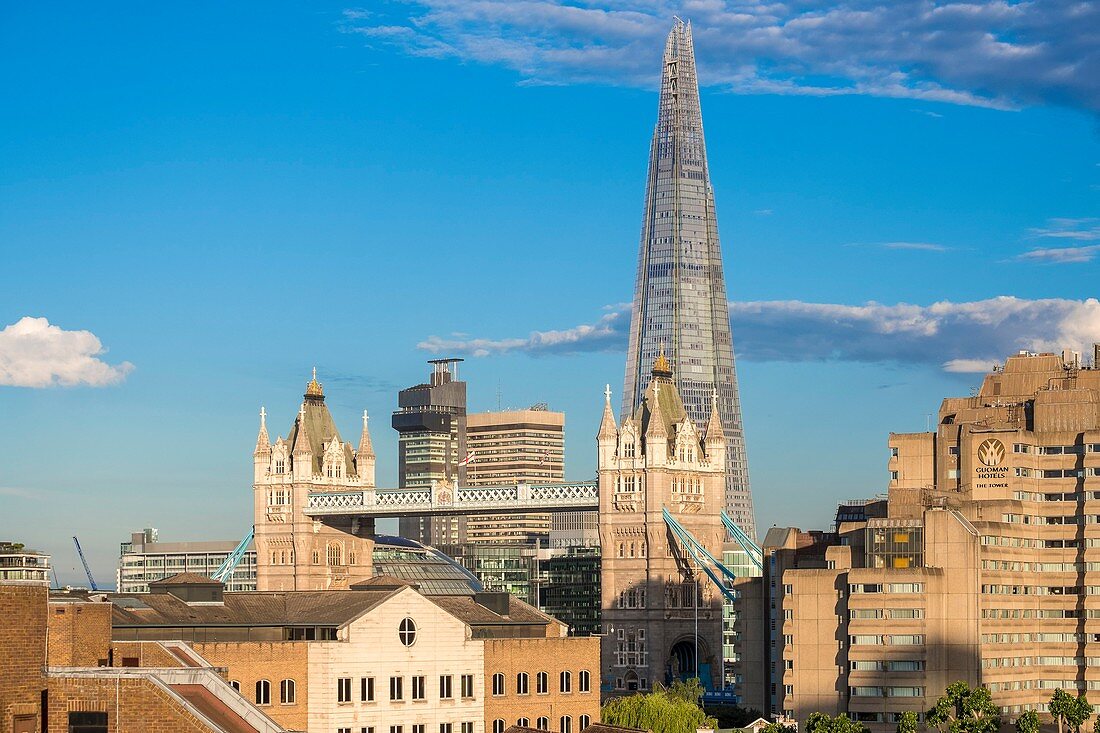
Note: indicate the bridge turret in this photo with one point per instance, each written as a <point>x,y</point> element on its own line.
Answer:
<point>608,437</point>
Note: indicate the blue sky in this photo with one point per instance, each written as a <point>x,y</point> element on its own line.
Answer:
<point>220,198</point>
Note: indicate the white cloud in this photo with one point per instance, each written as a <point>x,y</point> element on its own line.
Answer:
<point>1061,255</point>
<point>989,53</point>
<point>34,353</point>
<point>953,336</point>
<point>1075,230</point>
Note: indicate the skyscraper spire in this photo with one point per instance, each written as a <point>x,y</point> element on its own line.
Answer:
<point>680,297</point>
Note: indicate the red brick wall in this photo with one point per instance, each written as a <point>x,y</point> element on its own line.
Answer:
<point>22,650</point>
<point>250,661</point>
<point>79,633</point>
<point>130,704</point>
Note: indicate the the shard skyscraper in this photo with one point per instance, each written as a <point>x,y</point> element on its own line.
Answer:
<point>680,295</point>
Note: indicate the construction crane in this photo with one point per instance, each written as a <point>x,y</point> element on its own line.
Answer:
<point>87,570</point>
<point>233,560</point>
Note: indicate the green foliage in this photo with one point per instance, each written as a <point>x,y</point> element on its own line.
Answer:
<point>963,709</point>
<point>1070,711</point>
<point>908,722</point>
<point>1028,722</point>
<point>778,728</point>
<point>686,690</point>
<point>671,710</point>
<point>732,716</point>
<point>822,723</point>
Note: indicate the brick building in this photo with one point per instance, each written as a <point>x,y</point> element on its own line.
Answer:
<point>62,673</point>
<point>380,656</point>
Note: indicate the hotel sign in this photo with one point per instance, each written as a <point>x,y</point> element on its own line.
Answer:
<point>991,471</point>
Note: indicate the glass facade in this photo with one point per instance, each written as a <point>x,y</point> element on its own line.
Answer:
<point>894,543</point>
<point>680,300</point>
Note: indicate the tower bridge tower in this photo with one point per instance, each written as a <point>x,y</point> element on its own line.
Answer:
<point>662,617</point>
<point>294,551</point>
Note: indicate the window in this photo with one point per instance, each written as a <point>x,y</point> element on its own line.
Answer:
<point>467,726</point>
<point>418,728</point>
<point>367,729</point>
<point>522,681</point>
<point>542,685</point>
<point>335,554</point>
<point>498,684</point>
<point>366,689</point>
<point>565,682</point>
<point>446,690</point>
<point>524,722</point>
<point>343,689</point>
<point>543,723</point>
<point>407,631</point>
<point>235,684</point>
<point>418,689</point>
<point>893,475</point>
<point>396,691</point>
<point>585,721</point>
<point>566,724</point>
<point>446,728</point>
<point>286,692</point>
<point>584,682</point>
<point>498,725</point>
<point>343,730</point>
<point>263,692</point>
<point>467,686</point>
<point>86,722</point>
<point>397,729</point>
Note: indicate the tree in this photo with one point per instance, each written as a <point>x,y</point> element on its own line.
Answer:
<point>672,710</point>
<point>732,716</point>
<point>1069,711</point>
<point>1062,707</point>
<point>1028,722</point>
<point>963,709</point>
<point>687,690</point>
<point>822,723</point>
<point>907,723</point>
<point>779,728</point>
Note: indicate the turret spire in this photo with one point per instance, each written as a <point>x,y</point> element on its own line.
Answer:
<point>365,447</point>
<point>263,440</point>
<point>607,424</point>
<point>714,425</point>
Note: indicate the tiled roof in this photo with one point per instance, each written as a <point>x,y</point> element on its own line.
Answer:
<point>469,611</point>
<point>284,608</point>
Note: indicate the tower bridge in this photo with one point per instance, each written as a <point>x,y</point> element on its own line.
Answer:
<point>443,499</point>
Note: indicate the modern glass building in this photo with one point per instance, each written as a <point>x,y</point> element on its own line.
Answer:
<point>680,301</point>
<point>430,569</point>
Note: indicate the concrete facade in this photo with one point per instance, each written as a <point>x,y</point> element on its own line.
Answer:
<point>509,447</point>
<point>984,566</point>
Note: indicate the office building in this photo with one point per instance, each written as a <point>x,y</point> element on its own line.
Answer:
<point>431,448</point>
<point>663,620</point>
<point>381,655</point>
<point>680,299</point>
<point>511,447</point>
<point>145,558</point>
<point>983,565</point>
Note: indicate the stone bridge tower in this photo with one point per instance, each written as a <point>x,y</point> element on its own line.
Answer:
<point>662,616</point>
<point>294,551</point>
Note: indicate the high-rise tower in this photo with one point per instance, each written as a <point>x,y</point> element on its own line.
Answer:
<point>680,295</point>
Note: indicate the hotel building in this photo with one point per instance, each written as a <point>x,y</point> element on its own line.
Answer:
<point>983,565</point>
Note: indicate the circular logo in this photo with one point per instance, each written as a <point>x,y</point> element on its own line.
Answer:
<point>991,452</point>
